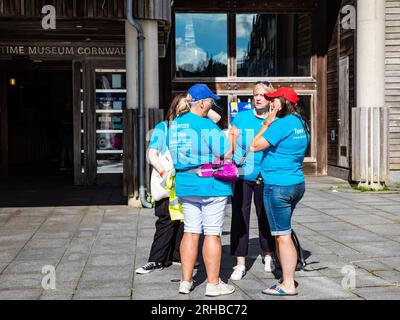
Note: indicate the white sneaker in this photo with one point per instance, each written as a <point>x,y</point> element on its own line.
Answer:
<point>268,264</point>
<point>215,290</point>
<point>185,287</point>
<point>238,272</point>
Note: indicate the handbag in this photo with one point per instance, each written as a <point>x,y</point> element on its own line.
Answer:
<point>157,183</point>
<point>221,170</point>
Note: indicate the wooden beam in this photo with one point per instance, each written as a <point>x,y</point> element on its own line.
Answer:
<point>321,54</point>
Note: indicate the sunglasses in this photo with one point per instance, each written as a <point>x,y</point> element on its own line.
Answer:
<point>266,83</point>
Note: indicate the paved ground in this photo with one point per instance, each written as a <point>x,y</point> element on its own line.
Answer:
<point>96,248</point>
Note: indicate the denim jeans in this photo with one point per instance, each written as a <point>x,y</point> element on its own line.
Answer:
<point>280,202</point>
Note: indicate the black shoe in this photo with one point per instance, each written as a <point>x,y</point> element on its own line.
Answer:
<point>150,267</point>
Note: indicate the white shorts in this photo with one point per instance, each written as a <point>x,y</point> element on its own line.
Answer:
<point>204,214</point>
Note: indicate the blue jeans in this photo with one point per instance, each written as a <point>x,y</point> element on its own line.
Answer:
<point>280,203</point>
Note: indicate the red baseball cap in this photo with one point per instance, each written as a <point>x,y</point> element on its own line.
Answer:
<point>286,93</point>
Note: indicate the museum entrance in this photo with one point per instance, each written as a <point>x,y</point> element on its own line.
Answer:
<point>40,128</point>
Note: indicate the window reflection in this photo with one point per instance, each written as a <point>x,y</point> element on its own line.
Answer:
<point>201,45</point>
<point>273,45</point>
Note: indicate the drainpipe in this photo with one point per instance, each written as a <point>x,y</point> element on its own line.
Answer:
<point>141,116</point>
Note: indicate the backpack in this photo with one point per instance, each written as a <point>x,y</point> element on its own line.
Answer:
<point>301,260</point>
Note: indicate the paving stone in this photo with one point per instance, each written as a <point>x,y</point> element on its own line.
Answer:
<point>324,205</point>
<point>21,281</point>
<point>394,238</point>
<point>110,260</point>
<point>315,288</point>
<point>339,249</point>
<point>391,276</point>
<point>103,289</point>
<point>26,294</point>
<point>346,211</point>
<point>373,293</point>
<point>377,248</point>
<point>107,273</point>
<point>349,236</point>
<point>365,219</point>
<point>101,298</point>
<point>331,226</point>
<point>164,291</point>
<point>393,262</point>
<point>24,267</point>
<point>305,219</point>
<point>101,246</point>
<point>385,229</point>
<point>372,265</point>
<point>394,209</point>
<point>28,254</point>
<point>54,295</point>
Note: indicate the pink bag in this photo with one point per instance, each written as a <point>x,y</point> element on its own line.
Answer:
<point>225,171</point>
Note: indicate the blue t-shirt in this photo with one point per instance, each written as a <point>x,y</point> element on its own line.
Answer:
<point>283,161</point>
<point>249,125</point>
<point>193,141</point>
<point>158,139</point>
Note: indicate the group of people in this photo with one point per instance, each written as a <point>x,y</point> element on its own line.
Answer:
<point>268,145</point>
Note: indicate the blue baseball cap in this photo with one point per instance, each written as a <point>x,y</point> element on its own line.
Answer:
<point>200,91</point>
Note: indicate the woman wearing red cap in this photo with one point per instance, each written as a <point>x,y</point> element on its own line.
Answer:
<point>284,145</point>
<point>249,185</point>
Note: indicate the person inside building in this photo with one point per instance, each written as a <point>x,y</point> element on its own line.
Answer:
<point>244,127</point>
<point>195,140</point>
<point>168,235</point>
<point>284,144</point>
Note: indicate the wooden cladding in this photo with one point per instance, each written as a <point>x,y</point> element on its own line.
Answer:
<point>341,47</point>
<point>111,9</point>
<point>392,80</point>
<point>65,8</point>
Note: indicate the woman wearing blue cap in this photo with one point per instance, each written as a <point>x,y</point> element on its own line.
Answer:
<point>284,143</point>
<point>194,141</point>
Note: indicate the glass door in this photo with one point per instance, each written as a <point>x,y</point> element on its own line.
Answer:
<point>99,101</point>
<point>110,103</point>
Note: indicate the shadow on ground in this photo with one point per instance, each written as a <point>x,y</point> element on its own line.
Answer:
<point>56,192</point>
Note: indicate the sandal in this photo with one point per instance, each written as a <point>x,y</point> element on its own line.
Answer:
<point>275,291</point>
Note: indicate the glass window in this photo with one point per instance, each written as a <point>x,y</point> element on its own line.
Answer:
<point>272,45</point>
<point>110,80</point>
<point>110,101</point>
<point>201,45</point>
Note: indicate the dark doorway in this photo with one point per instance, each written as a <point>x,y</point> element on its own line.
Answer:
<point>40,129</point>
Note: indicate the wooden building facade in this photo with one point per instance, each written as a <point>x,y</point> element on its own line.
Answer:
<point>78,68</point>
<point>229,45</point>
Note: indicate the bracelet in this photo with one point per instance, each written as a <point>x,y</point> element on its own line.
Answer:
<point>267,123</point>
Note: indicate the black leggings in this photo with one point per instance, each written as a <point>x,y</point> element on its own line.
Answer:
<point>168,236</point>
<point>241,208</point>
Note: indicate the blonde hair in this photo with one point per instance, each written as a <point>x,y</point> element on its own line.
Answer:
<point>179,106</point>
<point>268,89</point>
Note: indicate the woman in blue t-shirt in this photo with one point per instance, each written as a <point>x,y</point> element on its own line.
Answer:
<point>244,127</point>
<point>168,235</point>
<point>284,145</point>
<point>193,141</point>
